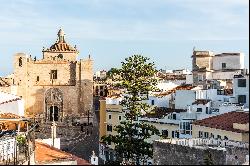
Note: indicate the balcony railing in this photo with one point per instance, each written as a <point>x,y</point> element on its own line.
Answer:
<point>203,141</point>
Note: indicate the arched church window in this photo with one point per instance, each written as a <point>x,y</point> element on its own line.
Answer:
<point>60,56</point>
<point>20,62</point>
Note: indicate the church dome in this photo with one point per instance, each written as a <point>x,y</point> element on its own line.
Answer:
<point>60,44</point>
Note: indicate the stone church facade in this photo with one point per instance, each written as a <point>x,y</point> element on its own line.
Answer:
<point>56,86</point>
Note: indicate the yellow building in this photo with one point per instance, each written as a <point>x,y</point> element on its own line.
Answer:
<point>232,126</point>
<point>110,116</point>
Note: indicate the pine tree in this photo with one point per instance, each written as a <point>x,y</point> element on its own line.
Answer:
<point>137,77</point>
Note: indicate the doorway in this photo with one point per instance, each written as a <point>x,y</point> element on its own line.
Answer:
<point>56,115</point>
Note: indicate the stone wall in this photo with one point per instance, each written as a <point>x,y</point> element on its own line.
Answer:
<point>74,79</point>
<point>172,154</point>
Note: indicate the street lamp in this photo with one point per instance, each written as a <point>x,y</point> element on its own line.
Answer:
<point>53,111</point>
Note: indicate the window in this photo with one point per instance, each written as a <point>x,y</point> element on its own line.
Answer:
<point>53,74</point>
<point>206,134</point>
<point>218,137</point>
<point>212,136</point>
<point>199,110</point>
<point>242,99</point>
<point>224,65</point>
<point>101,87</point>
<point>172,134</point>
<point>200,134</point>
<point>60,56</point>
<point>174,116</point>
<point>200,77</point>
<point>207,111</point>
<point>37,78</point>
<point>102,150</point>
<point>152,102</point>
<point>120,117</point>
<point>164,133</point>
<point>109,128</point>
<point>177,134</point>
<point>225,138</point>
<point>185,128</point>
<point>20,62</point>
<point>109,116</point>
<point>241,82</point>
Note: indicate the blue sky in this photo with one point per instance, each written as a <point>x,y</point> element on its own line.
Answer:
<point>110,30</point>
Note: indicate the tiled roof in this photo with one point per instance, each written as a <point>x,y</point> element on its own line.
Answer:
<point>45,153</point>
<point>59,46</point>
<point>201,101</point>
<point>225,121</point>
<point>181,87</point>
<point>7,97</point>
<point>172,77</point>
<point>160,112</point>
<point>9,116</point>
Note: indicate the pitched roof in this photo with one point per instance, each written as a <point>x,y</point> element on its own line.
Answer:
<point>7,97</point>
<point>160,112</point>
<point>45,153</point>
<point>9,116</point>
<point>225,121</point>
<point>201,101</point>
<point>181,87</point>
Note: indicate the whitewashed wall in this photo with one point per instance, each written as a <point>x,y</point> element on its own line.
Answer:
<point>114,101</point>
<point>232,62</point>
<point>189,79</point>
<point>169,84</point>
<point>14,107</point>
<point>225,75</point>
<point>184,98</point>
<point>241,90</point>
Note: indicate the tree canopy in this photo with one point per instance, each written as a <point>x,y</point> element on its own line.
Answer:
<point>137,77</point>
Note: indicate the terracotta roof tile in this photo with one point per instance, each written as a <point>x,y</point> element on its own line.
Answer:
<point>225,121</point>
<point>201,101</point>
<point>160,112</point>
<point>181,87</point>
<point>45,153</point>
<point>59,46</point>
<point>9,116</point>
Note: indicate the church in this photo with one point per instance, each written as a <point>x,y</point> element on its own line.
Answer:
<point>56,86</point>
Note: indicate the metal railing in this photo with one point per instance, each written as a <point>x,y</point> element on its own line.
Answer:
<point>205,142</point>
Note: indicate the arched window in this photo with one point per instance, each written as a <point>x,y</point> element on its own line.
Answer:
<point>20,62</point>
